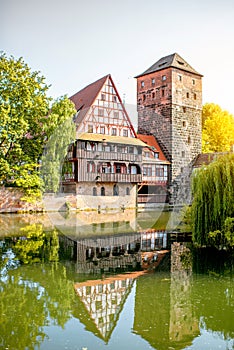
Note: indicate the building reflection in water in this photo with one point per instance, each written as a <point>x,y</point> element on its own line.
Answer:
<point>103,301</point>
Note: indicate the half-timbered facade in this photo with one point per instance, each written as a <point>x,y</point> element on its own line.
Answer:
<point>105,161</point>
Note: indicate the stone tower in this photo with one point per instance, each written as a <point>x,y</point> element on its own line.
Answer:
<point>169,100</point>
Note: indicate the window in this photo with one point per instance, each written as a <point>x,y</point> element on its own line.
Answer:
<point>115,190</point>
<point>147,171</point>
<point>90,167</point>
<point>94,191</point>
<point>102,129</point>
<point>179,77</point>
<point>116,115</point>
<point>118,169</point>
<point>100,112</point>
<point>147,154</point>
<point>156,155</point>
<point>142,84</point>
<point>184,123</point>
<point>189,140</point>
<point>163,92</point>
<point>153,81</point>
<point>103,97</point>
<point>130,149</point>
<point>194,96</point>
<point>144,97</point>
<point>159,171</point>
<point>114,132</point>
<point>127,191</point>
<point>153,94</point>
<point>90,128</point>
<point>164,78</point>
<point>114,98</point>
<point>183,154</point>
<point>184,109</point>
<point>102,191</point>
<point>125,132</point>
<point>193,81</point>
<point>187,94</point>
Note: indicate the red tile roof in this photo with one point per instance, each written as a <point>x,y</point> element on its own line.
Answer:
<point>206,159</point>
<point>152,142</point>
<point>84,98</point>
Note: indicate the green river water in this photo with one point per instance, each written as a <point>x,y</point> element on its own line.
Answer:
<point>75,282</point>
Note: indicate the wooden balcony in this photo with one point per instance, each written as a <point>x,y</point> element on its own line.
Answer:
<point>108,156</point>
<point>109,177</point>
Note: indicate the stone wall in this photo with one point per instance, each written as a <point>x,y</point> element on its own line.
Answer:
<point>170,109</point>
<point>10,201</point>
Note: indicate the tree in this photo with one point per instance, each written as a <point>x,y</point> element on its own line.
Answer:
<point>213,205</point>
<point>26,123</point>
<point>217,129</point>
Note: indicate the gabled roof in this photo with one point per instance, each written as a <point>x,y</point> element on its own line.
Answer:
<point>84,98</point>
<point>173,60</point>
<point>151,141</point>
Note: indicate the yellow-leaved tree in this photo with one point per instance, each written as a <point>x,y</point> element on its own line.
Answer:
<point>217,129</point>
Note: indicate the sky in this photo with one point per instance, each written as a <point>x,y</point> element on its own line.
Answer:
<point>73,43</point>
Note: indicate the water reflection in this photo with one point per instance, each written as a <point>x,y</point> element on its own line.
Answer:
<point>96,292</point>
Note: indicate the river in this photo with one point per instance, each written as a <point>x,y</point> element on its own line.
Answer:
<point>88,282</point>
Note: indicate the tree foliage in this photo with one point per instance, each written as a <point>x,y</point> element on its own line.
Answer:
<point>27,121</point>
<point>217,129</point>
<point>213,204</point>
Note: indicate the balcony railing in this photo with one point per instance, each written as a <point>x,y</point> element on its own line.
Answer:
<point>109,156</point>
<point>109,177</point>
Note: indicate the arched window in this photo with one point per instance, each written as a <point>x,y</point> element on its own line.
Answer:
<point>102,191</point>
<point>94,191</point>
<point>115,190</point>
<point>127,191</point>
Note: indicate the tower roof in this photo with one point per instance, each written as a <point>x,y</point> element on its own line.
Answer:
<point>173,60</point>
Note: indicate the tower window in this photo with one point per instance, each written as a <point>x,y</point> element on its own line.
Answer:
<point>164,78</point>
<point>193,81</point>
<point>184,123</point>
<point>194,96</point>
<point>142,84</point>
<point>184,109</point>
<point>153,81</point>
<point>163,92</point>
<point>187,94</point>
<point>179,77</point>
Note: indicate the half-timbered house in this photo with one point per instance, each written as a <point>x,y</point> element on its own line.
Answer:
<point>103,166</point>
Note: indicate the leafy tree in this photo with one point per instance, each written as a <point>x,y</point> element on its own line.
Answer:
<point>26,123</point>
<point>213,205</point>
<point>217,129</point>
